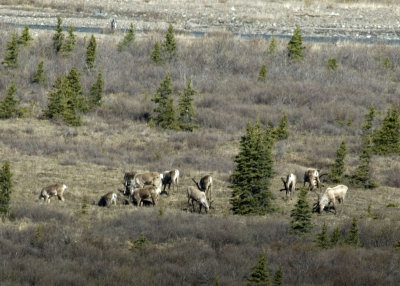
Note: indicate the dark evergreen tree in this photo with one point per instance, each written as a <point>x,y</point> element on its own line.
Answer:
<point>282,132</point>
<point>11,53</point>
<point>91,52</point>
<point>6,187</point>
<point>295,45</point>
<point>259,275</point>
<point>169,45</point>
<point>262,74</point>
<point>58,38</point>
<point>70,42</point>
<point>336,237</point>
<point>301,214</point>
<point>165,113</point>
<point>272,46</point>
<point>277,281</point>
<point>336,174</point>
<point>253,172</point>
<point>9,105</point>
<point>56,100</point>
<point>75,93</point>
<point>362,175</point>
<point>186,116</point>
<point>129,39</point>
<point>39,77</point>
<point>322,238</point>
<point>25,37</point>
<point>353,234</point>
<point>96,91</point>
<point>387,139</point>
<point>156,55</point>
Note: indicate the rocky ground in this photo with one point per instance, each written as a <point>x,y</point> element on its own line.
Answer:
<point>365,21</point>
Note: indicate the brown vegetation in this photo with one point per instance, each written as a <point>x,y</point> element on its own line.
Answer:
<point>324,107</point>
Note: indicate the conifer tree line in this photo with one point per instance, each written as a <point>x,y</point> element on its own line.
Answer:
<point>325,240</point>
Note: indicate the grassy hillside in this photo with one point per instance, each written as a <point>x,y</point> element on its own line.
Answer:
<point>70,243</point>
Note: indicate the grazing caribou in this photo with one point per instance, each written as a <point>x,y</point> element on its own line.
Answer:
<point>170,177</point>
<point>147,178</point>
<point>289,185</point>
<point>312,177</point>
<point>108,200</point>
<point>128,177</point>
<point>51,191</point>
<point>205,185</point>
<point>330,196</point>
<point>194,194</point>
<point>145,194</point>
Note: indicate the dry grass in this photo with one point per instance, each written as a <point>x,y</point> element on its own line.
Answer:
<point>323,108</point>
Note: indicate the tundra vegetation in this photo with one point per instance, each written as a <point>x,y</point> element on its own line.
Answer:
<point>61,137</point>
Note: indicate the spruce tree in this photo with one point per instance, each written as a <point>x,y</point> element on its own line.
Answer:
<point>259,275</point>
<point>186,116</point>
<point>353,234</point>
<point>9,105</point>
<point>362,175</point>
<point>6,187</point>
<point>96,91</point>
<point>169,45</point>
<point>69,44</point>
<point>56,99</point>
<point>164,111</point>
<point>386,140</point>
<point>91,52</point>
<point>39,77</point>
<point>295,46</point>
<point>11,53</point>
<point>75,92</point>
<point>253,172</point>
<point>58,38</point>
<point>282,132</point>
<point>25,37</point>
<point>272,46</point>
<point>336,174</point>
<point>336,237</point>
<point>322,238</point>
<point>156,55</point>
<point>301,214</point>
<point>277,281</point>
<point>129,39</point>
<point>262,74</point>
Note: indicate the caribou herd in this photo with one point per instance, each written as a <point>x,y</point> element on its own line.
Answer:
<point>146,187</point>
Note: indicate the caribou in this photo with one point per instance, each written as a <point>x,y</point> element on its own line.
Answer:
<point>313,178</point>
<point>108,200</point>
<point>170,178</point>
<point>194,194</point>
<point>289,185</point>
<point>51,191</point>
<point>134,180</point>
<point>330,196</point>
<point>145,194</point>
<point>205,185</point>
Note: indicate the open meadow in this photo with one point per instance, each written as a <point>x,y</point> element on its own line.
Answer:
<point>76,242</point>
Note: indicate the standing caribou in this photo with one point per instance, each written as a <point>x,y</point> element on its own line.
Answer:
<point>170,178</point>
<point>312,177</point>
<point>51,191</point>
<point>205,185</point>
<point>289,185</point>
<point>135,180</point>
<point>194,194</point>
